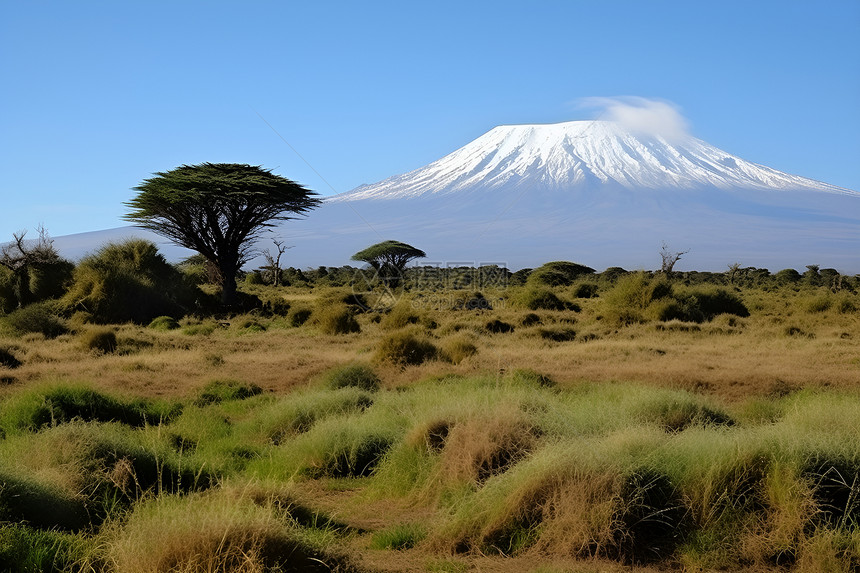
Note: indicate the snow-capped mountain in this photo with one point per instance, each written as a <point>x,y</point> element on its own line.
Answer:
<point>577,154</point>
<point>585,191</point>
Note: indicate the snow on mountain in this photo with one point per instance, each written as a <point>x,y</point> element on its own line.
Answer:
<point>581,153</point>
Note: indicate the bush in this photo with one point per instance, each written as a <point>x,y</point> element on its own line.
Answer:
<point>8,359</point>
<point>530,319</point>
<point>542,299</point>
<point>557,333</point>
<point>337,319</point>
<point>356,375</point>
<point>219,391</point>
<point>404,348</point>
<point>39,318</point>
<point>585,290</point>
<point>101,340</point>
<point>558,273</point>
<point>457,349</point>
<point>164,323</point>
<point>298,316</point>
<point>497,326</point>
<point>401,315</point>
<point>128,281</point>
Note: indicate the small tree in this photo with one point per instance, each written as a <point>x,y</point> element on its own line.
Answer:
<point>273,261</point>
<point>670,258</point>
<point>218,210</point>
<point>389,258</point>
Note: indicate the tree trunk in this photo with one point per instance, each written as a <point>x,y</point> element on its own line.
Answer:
<point>228,287</point>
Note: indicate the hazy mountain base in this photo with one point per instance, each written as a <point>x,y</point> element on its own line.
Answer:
<point>598,227</point>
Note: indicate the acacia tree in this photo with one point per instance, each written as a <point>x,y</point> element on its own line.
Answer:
<point>389,258</point>
<point>218,210</point>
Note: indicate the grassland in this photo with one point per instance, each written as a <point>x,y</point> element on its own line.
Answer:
<point>439,431</point>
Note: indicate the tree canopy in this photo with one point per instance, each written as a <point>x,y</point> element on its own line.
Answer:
<point>389,258</point>
<point>218,210</point>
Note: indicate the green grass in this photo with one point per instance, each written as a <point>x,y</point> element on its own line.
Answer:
<point>506,465</point>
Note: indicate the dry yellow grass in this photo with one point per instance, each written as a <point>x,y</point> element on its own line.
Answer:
<point>780,347</point>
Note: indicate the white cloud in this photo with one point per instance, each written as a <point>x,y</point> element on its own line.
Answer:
<point>641,115</point>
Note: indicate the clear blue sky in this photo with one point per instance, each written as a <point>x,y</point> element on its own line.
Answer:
<point>97,96</point>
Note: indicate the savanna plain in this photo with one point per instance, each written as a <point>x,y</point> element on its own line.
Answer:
<point>550,420</point>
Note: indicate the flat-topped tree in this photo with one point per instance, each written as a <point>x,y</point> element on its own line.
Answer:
<point>218,210</point>
<point>389,258</point>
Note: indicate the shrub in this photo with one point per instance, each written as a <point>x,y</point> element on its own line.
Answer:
<point>497,326</point>
<point>101,340</point>
<point>404,348</point>
<point>557,333</point>
<point>401,315</point>
<point>819,304</point>
<point>530,319</point>
<point>356,375</point>
<point>845,305</point>
<point>129,281</point>
<point>8,359</point>
<point>788,276</point>
<point>218,391</point>
<point>558,273</point>
<point>212,533</point>
<point>38,318</point>
<point>298,316</point>
<point>164,323</point>
<point>457,349</point>
<point>336,319</point>
<point>542,299</point>
<point>585,290</point>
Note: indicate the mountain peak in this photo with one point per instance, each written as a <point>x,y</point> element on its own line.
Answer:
<point>577,154</point>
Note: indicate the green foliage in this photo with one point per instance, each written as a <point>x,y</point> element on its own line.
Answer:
<point>389,258</point>
<point>163,323</point>
<point>49,405</point>
<point>36,318</point>
<point>218,391</point>
<point>31,271</point>
<point>101,340</point>
<point>787,276</point>
<point>129,281</point>
<point>534,298</point>
<point>336,319</point>
<point>558,273</point>
<point>402,536</point>
<point>23,548</point>
<point>404,348</point>
<point>638,297</point>
<point>354,375</point>
<point>239,201</point>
